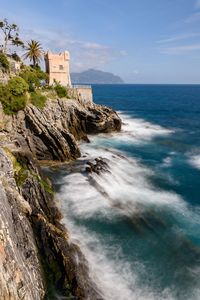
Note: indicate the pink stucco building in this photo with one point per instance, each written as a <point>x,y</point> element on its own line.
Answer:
<point>57,66</point>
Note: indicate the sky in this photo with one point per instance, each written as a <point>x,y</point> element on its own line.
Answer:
<point>143,41</point>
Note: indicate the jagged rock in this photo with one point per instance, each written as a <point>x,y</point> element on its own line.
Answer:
<point>37,258</point>
<point>98,166</point>
<point>45,139</point>
<point>20,270</point>
<point>30,224</point>
<point>102,119</point>
<point>62,260</point>
<point>52,133</point>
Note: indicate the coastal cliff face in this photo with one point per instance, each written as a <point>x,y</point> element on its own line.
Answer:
<point>52,133</point>
<point>37,259</point>
<point>20,270</point>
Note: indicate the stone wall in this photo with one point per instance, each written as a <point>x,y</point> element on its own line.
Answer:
<point>84,93</point>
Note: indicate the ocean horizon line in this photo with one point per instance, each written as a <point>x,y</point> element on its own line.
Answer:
<point>123,84</point>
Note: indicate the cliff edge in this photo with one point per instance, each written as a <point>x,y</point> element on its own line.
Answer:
<point>37,260</point>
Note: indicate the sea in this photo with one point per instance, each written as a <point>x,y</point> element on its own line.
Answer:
<point>138,222</point>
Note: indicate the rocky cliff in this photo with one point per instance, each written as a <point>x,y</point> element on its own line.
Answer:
<point>20,270</point>
<point>52,133</point>
<point>37,259</point>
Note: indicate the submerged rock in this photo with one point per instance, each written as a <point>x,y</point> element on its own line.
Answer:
<point>98,166</point>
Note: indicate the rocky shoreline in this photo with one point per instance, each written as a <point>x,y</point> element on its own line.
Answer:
<point>37,260</point>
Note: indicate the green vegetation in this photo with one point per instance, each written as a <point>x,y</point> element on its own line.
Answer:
<point>40,74</point>
<point>15,163</point>
<point>13,95</point>
<point>38,99</point>
<point>34,77</point>
<point>47,187</point>
<point>20,172</point>
<point>30,84</point>
<point>61,91</point>
<point>11,104</point>
<point>4,63</point>
<point>17,86</point>
<point>34,52</point>
<point>21,176</point>
<point>44,183</point>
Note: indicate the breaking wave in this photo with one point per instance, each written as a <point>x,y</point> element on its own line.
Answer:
<point>194,160</point>
<point>137,238</point>
<point>140,129</point>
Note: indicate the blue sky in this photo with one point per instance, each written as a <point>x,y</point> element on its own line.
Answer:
<point>143,41</point>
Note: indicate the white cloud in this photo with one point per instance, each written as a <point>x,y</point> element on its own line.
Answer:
<point>178,38</point>
<point>172,44</point>
<point>84,54</point>
<point>89,45</point>
<point>180,49</point>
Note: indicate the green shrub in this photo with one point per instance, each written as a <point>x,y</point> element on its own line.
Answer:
<point>4,63</point>
<point>11,103</point>
<point>38,99</point>
<point>4,93</point>
<point>17,103</point>
<point>34,77</point>
<point>17,86</point>
<point>61,91</point>
<point>30,76</point>
<point>13,95</point>
<point>41,75</point>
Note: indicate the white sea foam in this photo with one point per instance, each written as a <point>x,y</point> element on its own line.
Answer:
<point>194,160</point>
<point>127,183</point>
<point>113,277</point>
<point>125,187</point>
<point>136,130</point>
<point>167,162</point>
<point>142,129</point>
<point>124,190</point>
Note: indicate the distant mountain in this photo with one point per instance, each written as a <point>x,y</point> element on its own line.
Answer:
<point>92,76</point>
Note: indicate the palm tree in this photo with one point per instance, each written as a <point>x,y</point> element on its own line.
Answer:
<point>34,52</point>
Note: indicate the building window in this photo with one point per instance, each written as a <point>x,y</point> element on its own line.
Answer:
<point>61,67</point>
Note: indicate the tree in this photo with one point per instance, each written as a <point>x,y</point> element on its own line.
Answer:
<point>4,63</point>
<point>11,34</point>
<point>34,52</point>
<point>33,76</point>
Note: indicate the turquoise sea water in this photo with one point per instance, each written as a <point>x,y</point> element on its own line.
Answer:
<point>139,223</point>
